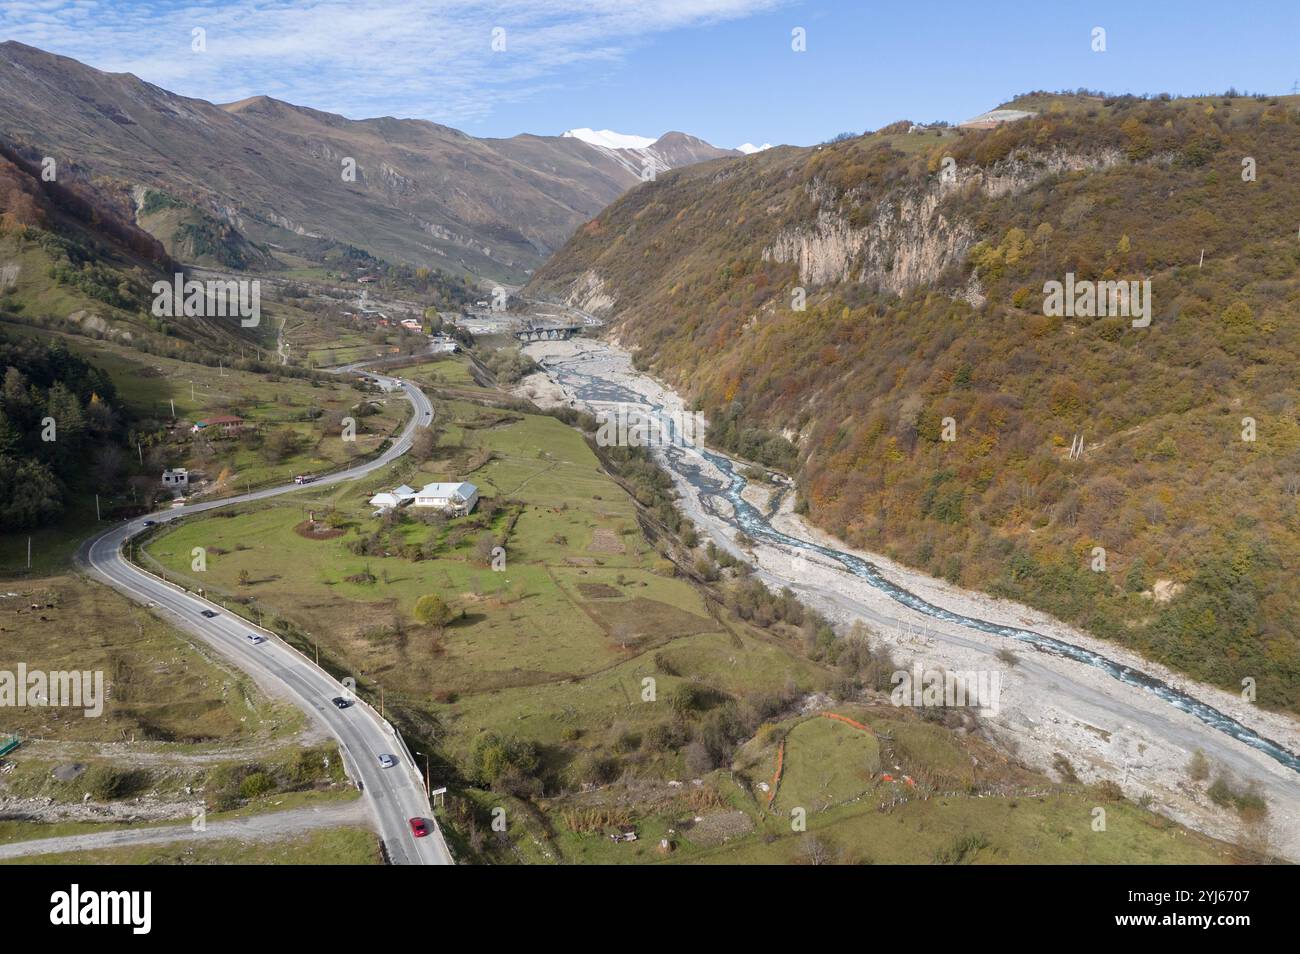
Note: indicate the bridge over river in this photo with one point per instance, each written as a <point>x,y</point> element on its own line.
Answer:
<point>548,332</point>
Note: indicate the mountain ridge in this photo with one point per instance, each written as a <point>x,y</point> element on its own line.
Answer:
<point>837,310</point>
<point>421,193</point>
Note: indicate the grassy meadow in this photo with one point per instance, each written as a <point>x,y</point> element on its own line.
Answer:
<point>593,671</point>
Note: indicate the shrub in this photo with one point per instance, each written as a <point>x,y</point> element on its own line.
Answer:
<point>258,783</point>
<point>432,610</point>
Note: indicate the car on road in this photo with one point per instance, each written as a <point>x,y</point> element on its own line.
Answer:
<point>386,760</point>
<point>419,827</point>
<point>340,702</point>
<point>208,613</point>
<point>150,523</point>
<point>255,638</point>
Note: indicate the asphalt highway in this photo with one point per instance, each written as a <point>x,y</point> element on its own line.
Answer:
<point>394,795</point>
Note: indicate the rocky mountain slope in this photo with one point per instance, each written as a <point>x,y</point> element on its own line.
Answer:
<point>421,193</point>
<point>68,262</point>
<point>873,316</point>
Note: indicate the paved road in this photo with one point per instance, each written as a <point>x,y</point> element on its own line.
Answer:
<point>394,795</point>
<point>269,826</point>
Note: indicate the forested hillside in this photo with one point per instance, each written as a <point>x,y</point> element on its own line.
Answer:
<point>59,429</point>
<point>68,262</point>
<point>924,255</point>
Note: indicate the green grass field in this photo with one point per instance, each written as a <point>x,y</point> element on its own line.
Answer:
<point>826,763</point>
<point>526,625</point>
<point>445,371</point>
<point>581,647</point>
<point>160,685</point>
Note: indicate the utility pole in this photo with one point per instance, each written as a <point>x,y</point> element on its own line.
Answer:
<point>140,451</point>
<point>427,787</point>
<point>173,400</point>
<point>96,506</point>
<point>29,553</point>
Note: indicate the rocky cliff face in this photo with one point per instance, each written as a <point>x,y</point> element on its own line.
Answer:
<point>903,238</point>
<point>910,238</point>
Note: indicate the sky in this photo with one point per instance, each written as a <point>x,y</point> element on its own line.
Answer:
<point>724,70</point>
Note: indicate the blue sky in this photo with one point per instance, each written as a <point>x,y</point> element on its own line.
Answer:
<point>720,69</point>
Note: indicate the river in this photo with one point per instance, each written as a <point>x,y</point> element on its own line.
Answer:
<point>599,376</point>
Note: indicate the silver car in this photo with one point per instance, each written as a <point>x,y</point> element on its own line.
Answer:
<point>387,761</point>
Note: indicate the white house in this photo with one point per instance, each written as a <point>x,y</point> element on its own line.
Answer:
<point>459,497</point>
<point>391,500</point>
<point>177,479</point>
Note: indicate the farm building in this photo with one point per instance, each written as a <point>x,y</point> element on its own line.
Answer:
<point>459,498</point>
<point>176,479</point>
<point>225,424</point>
<point>391,500</point>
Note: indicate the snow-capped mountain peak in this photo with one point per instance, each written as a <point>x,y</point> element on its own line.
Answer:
<point>609,139</point>
<point>749,148</point>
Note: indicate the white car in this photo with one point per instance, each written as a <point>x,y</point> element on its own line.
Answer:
<point>255,638</point>
<point>387,761</point>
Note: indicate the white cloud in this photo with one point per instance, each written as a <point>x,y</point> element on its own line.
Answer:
<point>422,58</point>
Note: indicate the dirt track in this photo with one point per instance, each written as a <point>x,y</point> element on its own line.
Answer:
<point>268,827</point>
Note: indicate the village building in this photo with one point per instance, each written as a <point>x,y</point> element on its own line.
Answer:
<point>224,424</point>
<point>176,479</point>
<point>391,500</point>
<point>457,498</point>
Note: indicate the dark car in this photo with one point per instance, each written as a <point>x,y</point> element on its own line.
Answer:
<point>419,827</point>
<point>150,523</point>
<point>208,613</point>
<point>340,702</point>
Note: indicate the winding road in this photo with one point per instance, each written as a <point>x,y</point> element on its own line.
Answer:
<point>394,794</point>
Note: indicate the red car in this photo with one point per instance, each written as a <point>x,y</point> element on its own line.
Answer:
<point>419,828</point>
